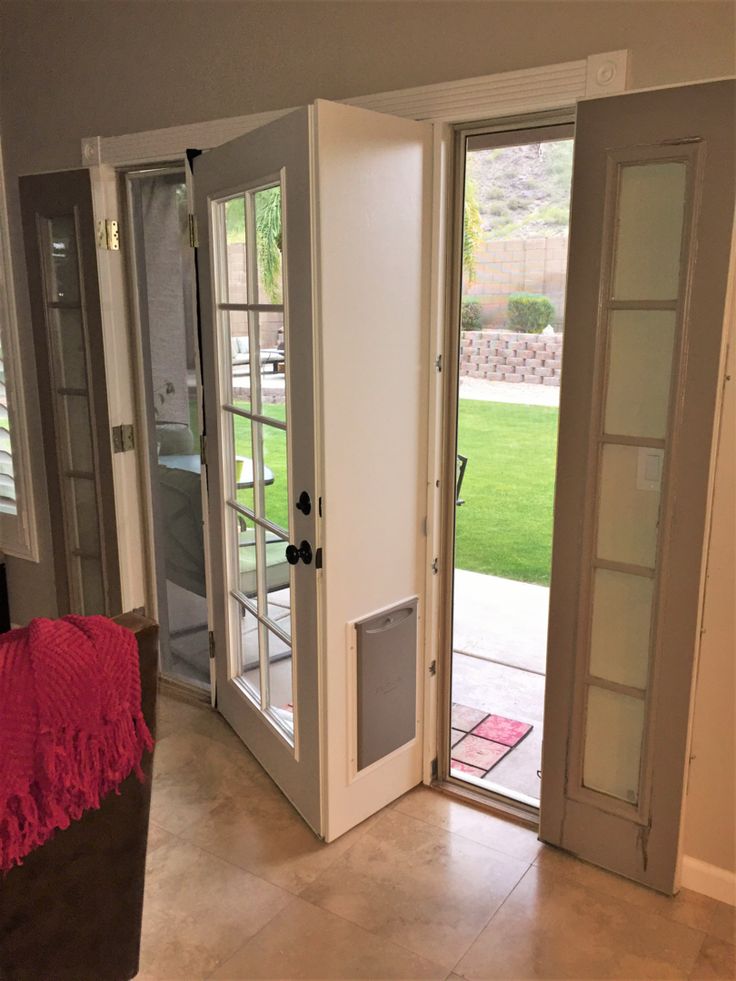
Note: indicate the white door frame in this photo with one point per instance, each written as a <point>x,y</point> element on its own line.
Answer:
<point>445,105</point>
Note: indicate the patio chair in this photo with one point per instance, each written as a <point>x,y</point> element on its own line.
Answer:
<point>181,511</point>
<point>241,356</point>
<point>462,462</point>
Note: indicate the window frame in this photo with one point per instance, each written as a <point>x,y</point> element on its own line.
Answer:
<point>19,531</point>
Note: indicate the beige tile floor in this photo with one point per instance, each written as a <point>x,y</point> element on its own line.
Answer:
<point>237,887</point>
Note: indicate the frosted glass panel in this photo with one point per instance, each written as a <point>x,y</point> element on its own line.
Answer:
<point>619,643</point>
<point>639,372</point>
<point>613,736</point>
<point>628,508</point>
<point>79,433</point>
<point>71,368</point>
<point>93,594</point>
<point>84,495</point>
<point>650,215</point>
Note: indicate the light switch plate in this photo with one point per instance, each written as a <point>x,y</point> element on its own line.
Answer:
<point>649,468</point>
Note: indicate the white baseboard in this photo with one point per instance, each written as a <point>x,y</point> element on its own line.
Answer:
<point>710,880</point>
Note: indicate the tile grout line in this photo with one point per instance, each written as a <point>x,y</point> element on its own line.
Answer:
<point>492,916</point>
<point>483,844</point>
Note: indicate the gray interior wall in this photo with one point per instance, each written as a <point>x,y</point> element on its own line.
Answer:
<point>69,70</point>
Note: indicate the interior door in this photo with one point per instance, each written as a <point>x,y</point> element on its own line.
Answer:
<point>651,223</point>
<point>61,262</point>
<point>252,199</point>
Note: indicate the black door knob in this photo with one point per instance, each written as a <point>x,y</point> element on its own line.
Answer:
<point>303,552</point>
<point>304,504</point>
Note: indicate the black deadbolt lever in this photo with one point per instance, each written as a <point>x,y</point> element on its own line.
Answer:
<point>304,504</point>
<point>303,552</point>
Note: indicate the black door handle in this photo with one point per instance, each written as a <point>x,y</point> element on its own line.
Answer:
<point>303,552</point>
<point>304,504</point>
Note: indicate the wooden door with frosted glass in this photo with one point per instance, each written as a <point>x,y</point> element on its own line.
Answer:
<point>650,237</point>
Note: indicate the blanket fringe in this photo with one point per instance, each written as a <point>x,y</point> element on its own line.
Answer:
<point>74,772</point>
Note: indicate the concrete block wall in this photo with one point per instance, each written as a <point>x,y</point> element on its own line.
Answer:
<point>511,356</point>
<point>531,265</point>
<point>271,324</point>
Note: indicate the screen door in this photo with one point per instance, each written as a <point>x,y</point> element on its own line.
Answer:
<point>253,216</point>
<point>651,223</point>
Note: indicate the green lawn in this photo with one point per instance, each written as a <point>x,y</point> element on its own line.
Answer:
<point>505,526</point>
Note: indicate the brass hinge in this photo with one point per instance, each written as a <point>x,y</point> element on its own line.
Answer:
<point>438,362</point>
<point>108,235</point>
<point>435,566</point>
<point>433,667</point>
<point>123,438</point>
<point>434,768</point>
<point>203,449</point>
<point>211,638</point>
<point>193,239</point>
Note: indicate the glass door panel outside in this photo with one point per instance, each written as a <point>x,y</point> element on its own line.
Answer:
<point>171,395</point>
<point>640,353</point>
<point>71,387</point>
<point>249,294</point>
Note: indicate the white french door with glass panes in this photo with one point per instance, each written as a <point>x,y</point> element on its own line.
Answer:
<point>278,212</point>
<point>650,235</point>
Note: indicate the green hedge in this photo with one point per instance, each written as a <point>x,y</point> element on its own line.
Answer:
<point>471,315</point>
<point>530,312</point>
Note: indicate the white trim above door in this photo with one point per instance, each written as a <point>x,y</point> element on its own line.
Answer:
<point>484,97</point>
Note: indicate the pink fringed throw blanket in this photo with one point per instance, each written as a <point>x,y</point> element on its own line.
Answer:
<point>71,726</point>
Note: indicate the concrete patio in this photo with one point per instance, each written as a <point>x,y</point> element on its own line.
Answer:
<point>499,655</point>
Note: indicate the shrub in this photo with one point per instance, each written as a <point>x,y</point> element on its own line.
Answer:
<point>529,312</point>
<point>471,315</point>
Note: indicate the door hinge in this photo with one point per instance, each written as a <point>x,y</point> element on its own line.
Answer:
<point>435,566</point>
<point>123,438</point>
<point>203,449</point>
<point>318,559</point>
<point>193,239</point>
<point>108,235</point>
<point>438,362</point>
<point>434,768</point>
<point>433,667</point>
<point>211,639</point>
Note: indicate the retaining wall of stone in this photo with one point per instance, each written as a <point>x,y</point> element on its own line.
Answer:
<point>511,356</point>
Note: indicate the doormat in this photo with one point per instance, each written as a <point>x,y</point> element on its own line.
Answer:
<point>480,739</point>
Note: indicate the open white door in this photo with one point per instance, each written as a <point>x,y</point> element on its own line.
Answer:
<point>261,446</point>
<point>311,266</point>
<point>651,225</point>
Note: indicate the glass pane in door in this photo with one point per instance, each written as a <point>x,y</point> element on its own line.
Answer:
<point>71,384</point>
<point>164,273</point>
<point>639,346</point>
<point>639,372</point>
<point>651,208</point>
<point>255,441</point>
<point>613,740</point>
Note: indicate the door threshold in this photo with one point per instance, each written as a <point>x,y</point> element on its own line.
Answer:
<point>483,800</point>
<point>183,690</point>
